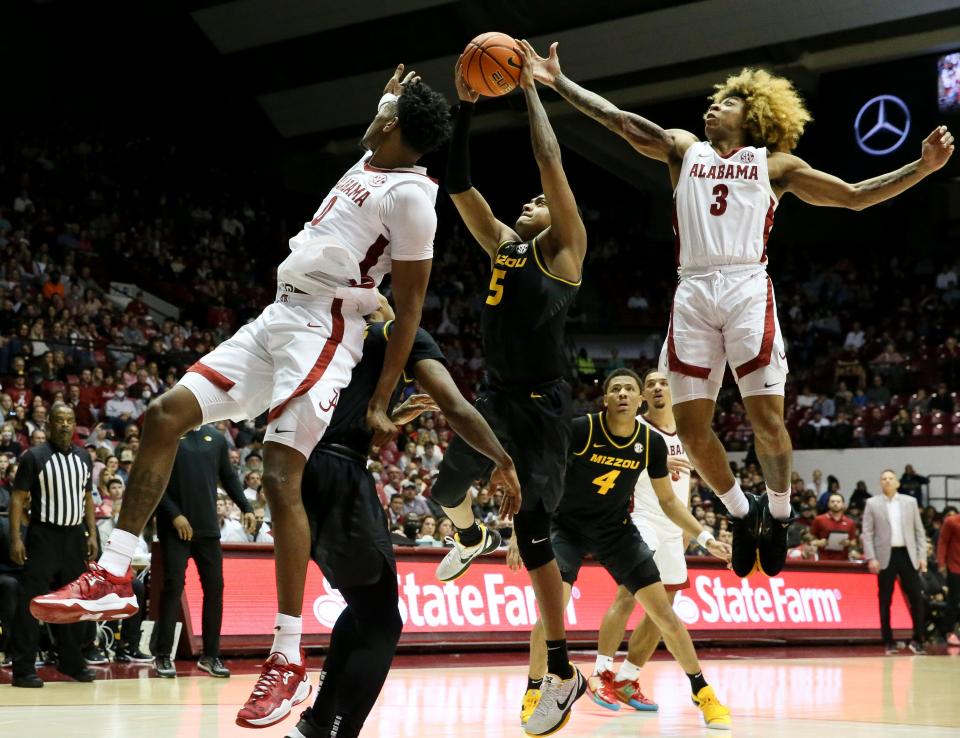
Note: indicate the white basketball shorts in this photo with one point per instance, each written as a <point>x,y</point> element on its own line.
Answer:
<point>724,316</point>
<point>668,554</point>
<point>291,362</point>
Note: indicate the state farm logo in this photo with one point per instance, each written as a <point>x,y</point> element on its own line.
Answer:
<point>493,603</point>
<point>716,603</point>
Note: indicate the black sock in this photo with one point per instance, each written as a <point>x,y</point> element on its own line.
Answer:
<point>558,662</point>
<point>470,536</point>
<point>697,682</point>
<point>534,683</point>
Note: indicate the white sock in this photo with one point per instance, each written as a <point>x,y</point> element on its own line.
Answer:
<point>286,637</point>
<point>604,663</point>
<point>628,671</point>
<point>779,503</point>
<point>118,552</point>
<point>735,501</point>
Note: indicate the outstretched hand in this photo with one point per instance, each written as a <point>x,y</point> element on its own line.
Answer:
<point>544,71</point>
<point>937,148</point>
<point>464,91</point>
<point>396,82</point>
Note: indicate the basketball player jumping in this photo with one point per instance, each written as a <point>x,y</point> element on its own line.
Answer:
<point>726,190</point>
<point>292,362</point>
<point>535,274</point>
<point>609,451</point>
<point>665,539</point>
<point>350,542</point>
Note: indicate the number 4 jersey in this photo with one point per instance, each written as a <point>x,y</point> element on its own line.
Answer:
<point>603,470</point>
<point>722,207</point>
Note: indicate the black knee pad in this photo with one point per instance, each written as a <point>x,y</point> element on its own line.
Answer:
<point>532,529</point>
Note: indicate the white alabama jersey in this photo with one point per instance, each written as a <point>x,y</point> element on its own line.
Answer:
<point>645,501</point>
<point>347,244</point>
<point>722,208</point>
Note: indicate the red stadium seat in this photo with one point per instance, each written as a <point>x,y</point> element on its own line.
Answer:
<point>938,430</point>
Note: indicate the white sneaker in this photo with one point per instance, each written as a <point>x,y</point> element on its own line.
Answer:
<point>556,700</point>
<point>459,558</point>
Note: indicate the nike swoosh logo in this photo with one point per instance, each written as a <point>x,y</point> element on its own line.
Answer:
<point>783,355</point>
<point>535,396</point>
<point>768,385</point>
<point>277,430</point>
<point>512,63</point>
<point>599,445</point>
<point>538,540</point>
<point>563,705</point>
<point>314,325</point>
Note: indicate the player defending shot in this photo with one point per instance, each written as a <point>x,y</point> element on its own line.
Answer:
<point>665,539</point>
<point>536,268</point>
<point>292,362</point>
<point>726,190</point>
<point>609,452</point>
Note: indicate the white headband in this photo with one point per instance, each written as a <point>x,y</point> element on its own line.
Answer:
<point>387,98</point>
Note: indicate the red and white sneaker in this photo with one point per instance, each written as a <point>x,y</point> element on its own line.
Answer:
<point>600,687</point>
<point>281,687</point>
<point>629,693</point>
<point>95,595</point>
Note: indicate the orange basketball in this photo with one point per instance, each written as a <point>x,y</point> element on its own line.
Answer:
<point>491,64</point>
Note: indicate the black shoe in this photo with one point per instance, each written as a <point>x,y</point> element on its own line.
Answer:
<point>890,649</point>
<point>165,668</point>
<point>307,727</point>
<point>84,675</point>
<point>6,663</point>
<point>29,681</point>
<point>128,655</point>
<point>772,545</point>
<point>746,535</point>
<point>917,648</point>
<point>95,656</point>
<point>213,666</point>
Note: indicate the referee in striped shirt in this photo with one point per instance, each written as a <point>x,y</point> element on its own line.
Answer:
<point>55,480</point>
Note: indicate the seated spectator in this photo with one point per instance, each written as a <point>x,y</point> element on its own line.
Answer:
<point>901,428</point>
<point>801,524</point>
<point>395,512</point>
<point>833,488</point>
<point>413,502</point>
<point>920,402</point>
<point>855,338</point>
<point>393,481</point>
<point>825,406</point>
<point>120,410</point>
<point>432,456</point>
<point>842,431</point>
<point>843,398</point>
<point>859,497</point>
<point>426,535</point>
<point>251,481</point>
<point>806,551</point>
<point>942,400</point>
<point>879,393</point>
<point>231,531</point>
<point>261,533</point>
<point>483,507</point>
<point>445,530</point>
<point>806,398</point>
<point>887,362</point>
<point>828,528</point>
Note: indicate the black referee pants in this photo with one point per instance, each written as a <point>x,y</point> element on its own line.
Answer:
<point>208,556</point>
<point>56,555</point>
<point>900,566</point>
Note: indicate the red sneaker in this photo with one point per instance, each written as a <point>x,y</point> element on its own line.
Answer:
<point>281,687</point>
<point>629,693</point>
<point>95,595</point>
<point>599,685</point>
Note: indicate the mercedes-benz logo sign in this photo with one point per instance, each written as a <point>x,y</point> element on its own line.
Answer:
<point>881,120</point>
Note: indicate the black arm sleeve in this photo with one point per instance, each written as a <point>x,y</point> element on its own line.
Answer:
<point>657,457</point>
<point>458,159</point>
<point>230,481</point>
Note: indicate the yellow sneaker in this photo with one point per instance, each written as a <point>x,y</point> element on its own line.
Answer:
<point>715,715</point>
<point>530,701</point>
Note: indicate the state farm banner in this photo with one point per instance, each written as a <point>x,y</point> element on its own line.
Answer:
<point>491,604</point>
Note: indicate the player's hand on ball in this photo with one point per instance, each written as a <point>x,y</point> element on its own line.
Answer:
<point>720,550</point>
<point>937,148</point>
<point>513,554</point>
<point>464,91</point>
<point>506,477</point>
<point>395,84</point>
<point>412,408</point>
<point>379,422</point>
<point>529,57</point>
<point>546,70</point>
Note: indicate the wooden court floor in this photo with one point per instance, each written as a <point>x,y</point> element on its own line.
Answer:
<point>854,697</point>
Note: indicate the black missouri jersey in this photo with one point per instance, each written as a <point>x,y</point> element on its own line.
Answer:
<point>348,427</point>
<point>523,319</point>
<point>603,470</point>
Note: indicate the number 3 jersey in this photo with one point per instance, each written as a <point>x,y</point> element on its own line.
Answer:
<point>523,319</point>
<point>603,469</point>
<point>722,208</point>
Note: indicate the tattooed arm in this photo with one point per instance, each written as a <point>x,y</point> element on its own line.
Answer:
<point>667,145</point>
<point>789,173</point>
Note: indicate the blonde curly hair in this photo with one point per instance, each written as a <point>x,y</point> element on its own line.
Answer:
<point>775,112</point>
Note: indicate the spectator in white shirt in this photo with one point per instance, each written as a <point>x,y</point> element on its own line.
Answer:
<point>231,531</point>
<point>432,456</point>
<point>855,338</point>
<point>120,410</point>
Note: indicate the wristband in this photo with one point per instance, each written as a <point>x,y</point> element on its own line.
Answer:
<point>387,97</point>
<point>704,538</point>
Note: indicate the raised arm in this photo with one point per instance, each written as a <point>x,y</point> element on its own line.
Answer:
<point>666,145</point>
<point>473,208</point>
<point>567,237</point>
<point>792,174</point>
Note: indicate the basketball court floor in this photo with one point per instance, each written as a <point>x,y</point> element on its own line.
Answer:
<point>823,694</point>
